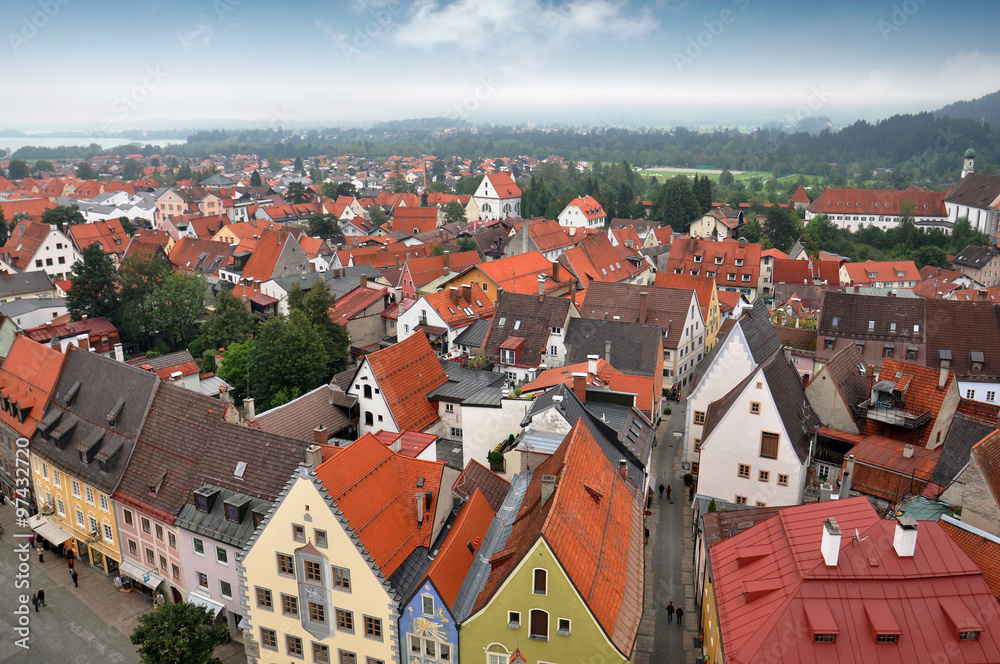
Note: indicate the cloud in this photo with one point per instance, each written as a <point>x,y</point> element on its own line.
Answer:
<point>202,33</point>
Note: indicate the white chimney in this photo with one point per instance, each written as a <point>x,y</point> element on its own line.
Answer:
<point>592,364</point>
<point>314,456</point>
<point>119,353</point>
<point>248,409</point>
<point>904,541</point>
<point>908,451</point>
<point>548,487</point>
<point>830,546</point>
<point>420,507</point>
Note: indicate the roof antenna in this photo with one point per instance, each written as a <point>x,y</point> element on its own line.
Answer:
<point>858,537</point>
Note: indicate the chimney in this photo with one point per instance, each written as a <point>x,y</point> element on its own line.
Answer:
<point>541,287</point>
<point>622,469</point>
<point>981,295</point>
<point>453,292</point>
<point>248,410</point>
<point>942,379</point>
<point>556,274</point>
<point>904,541</point>
<point>314,456</point>
<point>592,363</point>
<point>319,435</point>
<point>643,306</point>
<point>364,281</point>
<point>908,451</point>
<point>467,292</point>
<point>692,243</point>
<point>420,507</point>
<point>607,352</point>
<point>580,386</point>
<point>524,238</point>
<point>548,487</point>
<point>845,480</point>
<point>830,545</point>
<point>119,353</point>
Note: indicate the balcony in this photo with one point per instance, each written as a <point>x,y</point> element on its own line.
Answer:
<point>882,412</point>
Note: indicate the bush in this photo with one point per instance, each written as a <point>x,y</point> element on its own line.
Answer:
<point>667,410</point>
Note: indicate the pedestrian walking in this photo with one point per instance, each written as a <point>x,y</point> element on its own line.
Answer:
<point>31,540</point>
<point>670,612</point>
<point>73,573</point>
<point>70,564</point>
<point>661,491</point>
<point>691,493</point>
<point>645,534</point>
<point>41,553</point>
<point>680,614</point>
<point>41,597</point>
<point>669,490</point>
<point>34,600</point>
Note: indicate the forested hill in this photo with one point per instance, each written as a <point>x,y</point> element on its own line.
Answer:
<point>986,107</point>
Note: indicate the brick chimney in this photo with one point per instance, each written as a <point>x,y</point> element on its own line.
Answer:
<point>467,293</point>
<point>643,306</point>
<point>580,386</point>
<point>364,281</point>
<point>319,435</point>
<point>556,273</point>
<point>453,292</point>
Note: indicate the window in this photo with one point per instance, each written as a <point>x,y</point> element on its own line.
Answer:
<point>128,517</point>
<point>368,391</point>
<point>829,344</point>
<point>514,619</point>
<point>417,646</point>
<point>506,356</point>
<point>540,582</point>
<point>90,496</point>
<point>427,605</point>
<point>175,571</point>
<point>754,408</point>
<point>298,533</point>
<point>199,546</point>
<point>313,571</point>
<point>760,503</point>
<point>348,657</point>
<point>226,589</point>
<point>563,627</point>
<point>317,613</point>
<point>221,555</point>
<point>172,540</point>
<point>57,478</point>
<point>345,620</point>
<point>887,351</point>
<point>342,578</point>
<point>911,354</point>
<point>556,330</point>
<point>553,350</point>
<point>60,507</point>
<point>289,605</point>
<point>970,394</point>
<point>768,445</point>
<point>320,538</point>
<point>159,532</point>
<point>373,628</point>
<point>75,488</point>
<point>697,445</point>
<point>145,525</point>
<point>268,638</point>
<point>782,479</point>
<point>744,471</point>
<point>886,638</point>
<point>871,326</point>
<point>133,548</point>
<point>106,528</point>
<point>264,598</point>
<point>694,467</point>
<point>286,565</point>
<point>968,636</point>
<point>991,396</point>
<point>456,432</point>
<point>203,580</point>
<point>293,645</point>
<point>764,475</point>
<point>825,638</point>
<point>321,653</point>
<point>539,625</point>
<point>741,500</point>
<point>449,408</point>
<point>699,417</point>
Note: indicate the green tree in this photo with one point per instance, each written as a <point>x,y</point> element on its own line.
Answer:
<point>454,212</point>
<point>127,226</point>
<point>316,305</point>
<point>285,356</point>
<point>396,182</point>
<point>139,277</point>
<point>467,244</point>
<point>468,185</point>
<point>44,165</point>
<point>63,215</point>
<point>230,322</point>
<point>235,367</point>
<point>783,226</point>
<point>179,633</point>
<point>377,215</point>
<point>437,250</point>
<point>752,231</point>
<point>184,172</point>
<point>17,169</point>
<point>328,190</point>
<point>325,226</point>
<point>131,170</point>
<point>726,178</point>
<point>255,179</point>
<point>675,204</point>
<point>180,302</point>
<point>298,166</point>
<point>423,199</point>
<point>702,189</point>
<point>437,187</point>
<point>5,228</point>
<point>85,172</point>
<point>93,291</point>
<point>297,194</point>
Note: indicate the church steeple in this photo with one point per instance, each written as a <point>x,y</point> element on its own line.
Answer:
<point>970,158</point>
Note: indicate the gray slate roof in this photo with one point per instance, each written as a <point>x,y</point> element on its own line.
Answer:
<point>965,432</point>
<point>634,347</point>
<point>24,282</point>
<point>760,334</point>
<point>536,318</point>
<point>474,335</point>
<point>848,379</point>
<point>298,418</point>
<point>468,386</point>
<point>165,361</point>
<point>19,307</point>
<point>975,190</point>
<point>339,285</point>
<point>214,523</point>
<point>974,256</point>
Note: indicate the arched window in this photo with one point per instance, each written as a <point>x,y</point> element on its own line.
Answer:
<point>540,582</point>
<point>368,391</point>
<point>539,625</point>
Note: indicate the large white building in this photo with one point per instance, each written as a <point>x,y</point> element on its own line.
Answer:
<point>976,197</point>
<point>498,197</point>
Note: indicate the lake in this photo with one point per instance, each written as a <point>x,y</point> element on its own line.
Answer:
<point>14,143</point>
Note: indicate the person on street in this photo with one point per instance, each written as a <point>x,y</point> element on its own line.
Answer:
<point>669,490</point>
<point>41,597</point>
<point>34,600</point>
<point>73,574</point>
<point>680,614</point>
<point>661,491</point>
<point>691,493</point>
<point>670,612</point>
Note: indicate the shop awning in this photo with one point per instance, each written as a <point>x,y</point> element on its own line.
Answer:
<point>146,577</point>
<point>50,531</point>
<point>212,606</point>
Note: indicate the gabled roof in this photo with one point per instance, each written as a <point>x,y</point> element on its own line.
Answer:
<point>716,258</point>
<point>980,546</point>
<point>879,202</point>
<point>848,315</point>
<point>666,307</point>
<point>974,256</point>
<point>596,259</point>
<point>356,302</point>
<point>200,256</point>
<point>805,272</point>
<point>799,196</point>
<point>921,392</point>
<point>25,240</point>
<point>528,317</point>
<point>374,488</point>
<point>324,406</point>
<point>589,206</point>
<point>27,379</point>
<point>109,233</point>
<point>519,274</point>
<point>593,525</point>
<point>977,190</point>
<point>871,272</point>
<point>456,309</point>
<point>260,266</point>
<point>548,235</point>
<point>425,270</point>
<point>846,376</point>
<point>503,185</point>
<point>405,219</point>
<point>406,372</point>
<point>964,433</point>
<point>455,557</point>
<point>701,285</point>
<point>477,477</point>
<point>35,281</point>
<point>987,453</point>
<point>635,348</point>
<point>165,365</point>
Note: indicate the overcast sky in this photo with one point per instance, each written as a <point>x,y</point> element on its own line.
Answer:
<point>77,63</point>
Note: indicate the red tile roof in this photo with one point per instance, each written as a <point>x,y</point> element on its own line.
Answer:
<point>451,305</point>
<point>348,306</point>
<point>25,239</point>
<point>800,196</point>
<point>27,378</point>
<point>406,219</point>
<point>196,255</point>
<point>921,395</point>
<point>589,206</point>
<point>111,235</point>
<point>265,256</point>
<point>519,274</point>
<point>596,259</point>
<point>408,443</point>
<point>406,372</point>
<point>643,387</point>
<point>773,253</point>
<point>374,488</point>
<point>987,453</point>
<point>33,207</point>
<point>504,185</point>
<point>805,272</point>
<point>548,235</point>
<point>697,255</point>
<point>982,550</point>
<point>702,287</point>
<point>773,604</point>
<point>879,202</point>
<point>381,257</point>
<point>593,524</point>
<point>425,270</point>
<point>861,274</point>
<point>454,558</point>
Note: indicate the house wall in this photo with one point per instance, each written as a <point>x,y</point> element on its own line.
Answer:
<point>410,319</point>
<point>573,216</point>
<point>979,507</point>
<point>304,505</point>
<point>58,250</point>
<point>827,403</point>
<point>484,428</point>
<point>207,563</point>
<point>376,404</point>
<point>417,627</point>
<point>165,547</point>
<point>736,440</point>
<point>488,629</point>
<point>979,391</point>
<point>367,327</point>
<point>712,643</point>
<point>475,276</point>
<point>39,316</point>
<point>680,362</point>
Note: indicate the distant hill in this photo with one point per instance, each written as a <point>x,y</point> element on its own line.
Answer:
<point>987,107</point>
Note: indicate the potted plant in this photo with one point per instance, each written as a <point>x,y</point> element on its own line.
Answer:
<point>496,461</point>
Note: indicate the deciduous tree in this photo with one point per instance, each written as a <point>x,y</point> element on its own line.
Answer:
<point>179,633</point>
<point>93,291</point>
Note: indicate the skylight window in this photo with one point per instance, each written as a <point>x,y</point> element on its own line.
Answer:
<point>517,325</point>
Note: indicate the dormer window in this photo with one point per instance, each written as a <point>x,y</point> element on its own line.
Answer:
<point>892,327</point>
<point>824,638</point>
<point>739,262</point>
<point>944,358</point>
<point>976,361</point>
<point>718,260</point>
<point>697,259</point>
<point>871,326</point>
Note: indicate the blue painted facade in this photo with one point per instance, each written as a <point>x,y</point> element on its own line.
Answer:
<point>427,630</point>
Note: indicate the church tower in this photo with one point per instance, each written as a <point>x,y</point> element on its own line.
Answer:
<point>969,165</point>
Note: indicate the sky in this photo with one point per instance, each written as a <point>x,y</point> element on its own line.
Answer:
<point>116,65</point>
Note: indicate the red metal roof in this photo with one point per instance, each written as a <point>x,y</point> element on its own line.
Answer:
<point>354,303</point>
<point>406,372</point>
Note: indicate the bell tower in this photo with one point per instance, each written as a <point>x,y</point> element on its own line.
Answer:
<point>968,166</point>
